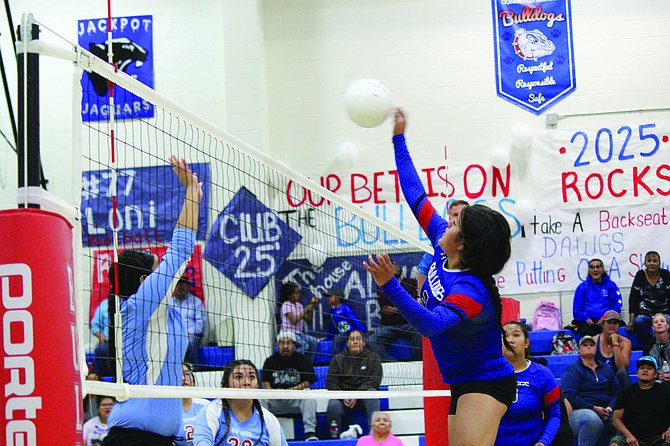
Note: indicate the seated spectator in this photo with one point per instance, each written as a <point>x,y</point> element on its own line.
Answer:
<point>193,314</point>
<point>591,388</point>
<point>593,297</point>
<point>381,432</point>
<point>642,410</point>
<point>535,414</point>
<point>100,329</point>
<point>190,409</point>
<point>294,315</point>
<point>394,326</point>
<point>288,369</point>
<point>91,401</point>
<point>614,349</point>
<point>650,294</point>
<point>659,346</point>
<point>357,368</point>
<point>95,429</point>
<point>343,320</point>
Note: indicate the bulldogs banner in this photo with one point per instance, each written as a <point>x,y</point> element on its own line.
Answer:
<point>534,55</point>
<point>132,45</point>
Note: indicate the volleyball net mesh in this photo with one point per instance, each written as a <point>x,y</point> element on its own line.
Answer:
<point>261,225</point>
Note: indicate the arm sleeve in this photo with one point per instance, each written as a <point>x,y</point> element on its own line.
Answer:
<point>334,373</point>
<point>200,318</point>
<point>615,297</point>
<point>100,319</point>
<point>353,320</point>
<point>570,388</point>
<point>551,409</point>
<point>427,322</point>
<point>307,371</point>
<point>206,426</point>
<point>578,312</point>
<point>415,194</point>
<point>375,378</point>
<point>424,264</point>
<point>634,298</point>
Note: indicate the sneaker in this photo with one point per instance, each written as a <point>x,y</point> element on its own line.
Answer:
<point>311,436</point>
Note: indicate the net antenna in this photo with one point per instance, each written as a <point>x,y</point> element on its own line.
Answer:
<point>247,242</point>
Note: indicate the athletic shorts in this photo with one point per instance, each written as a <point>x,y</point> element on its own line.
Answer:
<point>120,436</point>
<point>652,441</point>
<point>503,390</point>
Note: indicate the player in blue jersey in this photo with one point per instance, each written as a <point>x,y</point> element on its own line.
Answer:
<point>463,306</point>
<point>535,415</point>
<point>191,407</point>
<point>238,422</point>
<point>154,336</point>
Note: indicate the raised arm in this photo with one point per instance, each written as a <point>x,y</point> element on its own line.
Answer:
<point>188,218</point>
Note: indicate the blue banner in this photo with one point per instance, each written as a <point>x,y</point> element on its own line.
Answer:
<point>149,200</point>
<point>249,242</point>
<point>535,66</point>
<point>348,275</point>
<point>132,45</point>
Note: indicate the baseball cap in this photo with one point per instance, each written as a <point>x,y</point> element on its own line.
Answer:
<point>647,360</point>
<point>288,334</point>
<point>338,292</point>
<point>609,315</point>
<point>587,338</point>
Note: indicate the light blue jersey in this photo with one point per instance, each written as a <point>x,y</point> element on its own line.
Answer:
<point>188,417</point>
<point>211,425</point>
<point>154,343</point>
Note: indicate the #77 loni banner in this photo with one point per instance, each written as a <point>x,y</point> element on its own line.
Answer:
<point>535,66</point>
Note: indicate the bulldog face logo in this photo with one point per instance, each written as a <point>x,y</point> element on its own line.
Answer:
<point>530,45</point>
<point>125,53</point>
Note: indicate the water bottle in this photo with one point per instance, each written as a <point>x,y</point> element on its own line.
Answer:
<point>665,368</point>
<point>334,430</point>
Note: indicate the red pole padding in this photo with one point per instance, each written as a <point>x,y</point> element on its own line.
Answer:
<point>41,397</point>
<point>435,409</point>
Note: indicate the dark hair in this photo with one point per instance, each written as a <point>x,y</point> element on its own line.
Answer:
<point>524,330</point>
<point>286,289</point>
<point>227,372</point>
<point>486,236</point>
<point>455,203</point>
<point>652,253</point>
<point>132,265</point>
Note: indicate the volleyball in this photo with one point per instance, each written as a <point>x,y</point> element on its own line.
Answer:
<point>368,102</point>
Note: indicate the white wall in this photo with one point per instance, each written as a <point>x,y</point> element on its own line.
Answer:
<point>273,73</point>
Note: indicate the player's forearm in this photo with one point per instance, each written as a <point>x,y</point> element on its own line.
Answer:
<point>188,217</point>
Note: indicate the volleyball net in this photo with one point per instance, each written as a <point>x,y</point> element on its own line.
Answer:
<point>261,225</point>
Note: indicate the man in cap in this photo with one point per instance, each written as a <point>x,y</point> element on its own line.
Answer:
<point>591,388</point>
<point>642,410</point>
<point>288,369</point>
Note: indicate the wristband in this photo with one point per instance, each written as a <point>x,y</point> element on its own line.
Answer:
<point>615,345</point>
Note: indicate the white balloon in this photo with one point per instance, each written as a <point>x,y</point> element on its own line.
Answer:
<point>500,157</point>
<point>525,209</point>
<point>522,135</point>
<point>368,102</point>
<point>316,255</point>
<point>348,153</point>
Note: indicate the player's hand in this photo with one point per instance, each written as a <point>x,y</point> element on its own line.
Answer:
<point>400,122</point>
<point>382,269</point>
<point>188,179</point>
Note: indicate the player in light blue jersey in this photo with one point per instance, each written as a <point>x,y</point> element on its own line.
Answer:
<point>238,422</point>
<point>154,335</point>
<point>191,407</point>
<point>463,306</point>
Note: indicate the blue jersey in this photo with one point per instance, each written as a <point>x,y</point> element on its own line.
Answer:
<point>188,417</point>
<point>154,343</point>
<point>460,318</point>
<point>535,415</point>
<point>210,426</point>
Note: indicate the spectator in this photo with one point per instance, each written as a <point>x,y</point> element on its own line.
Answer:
<point>650,294</point>
<point>95,429</point>
<point>659,346</point>
<point>343,320</point>
<point>288,369</point>
<point>455,208</point>
<point>100,329</point>
<point>91,400</point>
<point>357,368</point>
<point>593,297</point>
<point>240,422</point>
<point>612,348</point>
<point>193,314</point>
<point>591,388</point>
<point>394,326</point>
<point>144,285</point>
<point>642,410</point>
<point>381,432</point>
<point>535,415</point>
<point>190,409</point>
<point>294,316</point>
